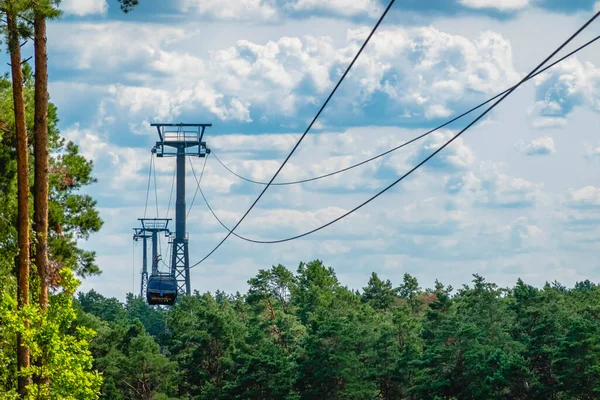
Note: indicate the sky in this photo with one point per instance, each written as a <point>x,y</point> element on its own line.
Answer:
<point>517,196</point>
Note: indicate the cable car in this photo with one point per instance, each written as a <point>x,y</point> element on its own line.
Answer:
<point>162,290</point>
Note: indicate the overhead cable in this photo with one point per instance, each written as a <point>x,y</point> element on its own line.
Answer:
<point>403,144</point>
<point>173,181</point>
<point>172,187</point>
<point>423,161</point>
<point>156,192</point>
<point>198,181</point>
<point>160,245</point>
<point>149,180</point>
<point>305,132</point>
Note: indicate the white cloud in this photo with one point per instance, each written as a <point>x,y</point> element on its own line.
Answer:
<point>489,187</point>
<point>295,221</point>
<point>539,147</point>
<point>570,84</point>
<point>592,152</point>
<point>161,104</point>
<point>425,68</point>
<point>270,74</point>
<point>124,163</point>
<point>587,197</point>
<point>319,154</point>
<point>341,7</point>
<point>502,5</point>
<point>424,218</point>
<point>456,156</point>
<point>247,10</point>
<point>549,122</point>
<point>421,71</point>
<point>437,111</point>
<point>525,235</point>
<point>84,7</point>
<point>109,45</point>
<point>272,10</point>
<point>504,191</point>
<point>247,143</point>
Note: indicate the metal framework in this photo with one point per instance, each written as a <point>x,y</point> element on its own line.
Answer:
<point>181,140</point>
<point>150,229</point>
<point>137,235</point>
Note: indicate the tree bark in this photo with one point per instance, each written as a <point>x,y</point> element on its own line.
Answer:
<point>22,190</point>
<point>41,168</point>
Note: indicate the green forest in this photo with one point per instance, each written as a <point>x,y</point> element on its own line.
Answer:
<point>302,335</point>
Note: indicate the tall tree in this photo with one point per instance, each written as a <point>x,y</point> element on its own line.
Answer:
<point>23,357</point>
<point>378,294</point>
<point>40,149</point>
<point>42,10</point>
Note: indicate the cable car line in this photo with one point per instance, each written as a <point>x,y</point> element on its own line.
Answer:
<point>424,160</point>
<point>167,216</point>
<point>171,195</point>
<point>160,246</point>
<point>406,143</point>
<point>149,180</point>
<point>156,192</point>
<point>197,182</point>
<point>157,213</point>
<point>306,131</point>
<point>172,182</point>
<point>199,188</point>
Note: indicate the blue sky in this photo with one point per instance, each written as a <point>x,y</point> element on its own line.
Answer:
<point>517,196</point>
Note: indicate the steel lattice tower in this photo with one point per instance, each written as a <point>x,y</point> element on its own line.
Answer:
<point>150,229</point>
<point>184,140</point>
<point>139,234</point>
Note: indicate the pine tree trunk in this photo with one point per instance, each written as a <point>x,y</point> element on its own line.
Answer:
<point>23,190</point>
<point>42,165</point>
<point>42,162</point>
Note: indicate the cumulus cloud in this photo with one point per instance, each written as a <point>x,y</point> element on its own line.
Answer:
<point>425,70</point>
<point>425,218</point>
<point>91,145</point>
<point>103,46</point>
<point>418,72</point>
<point>524,234</point>
<point>293,221</point>
<point>456,156</point>
<point>161,104</point>
<point>124,163</point>
<point>549,122</point>
<point>259,156</point>
<point>539,147</point>
<point>585,198</point>
<point>568,85</point>
<point>580,219</point>
<point>245,143</point>
<point>504,5</point>
<point>83,7</point>
<point>248,10</point>
<point>489,187</point>
<point>340,7</point>
<point>592,151</point>
<point>272,74</point>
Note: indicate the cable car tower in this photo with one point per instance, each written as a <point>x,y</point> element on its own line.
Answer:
<point>181,140</point>
<point>137,235</point>
<point>150,229</point>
